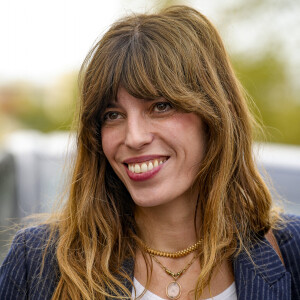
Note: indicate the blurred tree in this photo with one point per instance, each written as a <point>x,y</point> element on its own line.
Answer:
<point>267,82</point>
<point>25,105</point>
<point>60,100</point>
<point>263,38</point>
<point>155,5</point>
<point>167,3</point>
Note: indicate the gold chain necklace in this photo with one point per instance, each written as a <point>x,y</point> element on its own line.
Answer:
<point>176,254</point>
<point>173,289</point>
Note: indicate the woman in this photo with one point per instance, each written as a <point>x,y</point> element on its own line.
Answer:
<point>166,201</point>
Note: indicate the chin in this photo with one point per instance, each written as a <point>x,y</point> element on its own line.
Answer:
<point>146,202</point>
<point>149,202</point>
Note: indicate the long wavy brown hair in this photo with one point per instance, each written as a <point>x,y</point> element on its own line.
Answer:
<point>176,54</point>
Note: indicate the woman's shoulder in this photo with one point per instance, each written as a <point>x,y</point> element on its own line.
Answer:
<point>34,244</point>
<point>35,235</point>
<point>288,239</point>
<point>30,267</point>
<point>34,241</point>
<point>287,230</point>
<point>290,225</point>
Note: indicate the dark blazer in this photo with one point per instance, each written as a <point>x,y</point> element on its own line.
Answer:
<point>264,278</point>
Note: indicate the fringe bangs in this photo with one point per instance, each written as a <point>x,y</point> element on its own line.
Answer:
<point>145,65</point>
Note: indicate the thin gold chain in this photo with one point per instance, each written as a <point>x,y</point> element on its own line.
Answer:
<point>169,272</point>
<point>176,254</point>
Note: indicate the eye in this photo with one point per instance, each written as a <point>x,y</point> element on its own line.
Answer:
<point>162,107</point>
<point>111,115</point>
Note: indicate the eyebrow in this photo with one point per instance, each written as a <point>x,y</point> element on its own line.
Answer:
<point>112,105</point>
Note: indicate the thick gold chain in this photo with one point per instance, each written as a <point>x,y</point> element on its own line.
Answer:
<point>176,254</point>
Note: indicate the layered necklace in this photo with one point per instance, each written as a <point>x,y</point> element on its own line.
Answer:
<point>173,289</point>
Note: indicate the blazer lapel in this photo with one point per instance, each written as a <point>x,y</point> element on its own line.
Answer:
<point>128,268</point>
<point>263,276</point>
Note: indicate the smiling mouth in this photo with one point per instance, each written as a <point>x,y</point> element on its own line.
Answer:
<point>146,166</point>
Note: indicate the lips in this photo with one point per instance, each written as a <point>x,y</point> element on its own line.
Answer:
<point>142,168</point>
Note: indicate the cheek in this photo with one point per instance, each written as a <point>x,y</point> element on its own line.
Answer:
<point>107,144</point>
<point>195,140</point>
<point>191,129</point>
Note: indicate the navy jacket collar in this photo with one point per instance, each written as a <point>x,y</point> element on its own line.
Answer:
<point>263,276</point>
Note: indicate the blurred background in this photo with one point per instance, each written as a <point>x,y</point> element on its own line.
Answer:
<point>43,44</point>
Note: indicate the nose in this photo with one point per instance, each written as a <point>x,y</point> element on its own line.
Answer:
<point>138,132</point>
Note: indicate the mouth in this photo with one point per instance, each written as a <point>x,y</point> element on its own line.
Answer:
<point>146,166</point>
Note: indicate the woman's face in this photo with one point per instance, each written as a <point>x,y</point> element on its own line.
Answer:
<point>154,149</point>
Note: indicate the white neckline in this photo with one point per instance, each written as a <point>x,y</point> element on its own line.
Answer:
<point>230,291</point>
<point>140,288</point>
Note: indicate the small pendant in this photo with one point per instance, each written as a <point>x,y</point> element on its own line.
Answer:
<point>173,290</point>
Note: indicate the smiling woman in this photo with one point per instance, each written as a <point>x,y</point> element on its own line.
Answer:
<point>146,144</point>
<point>165,201</point>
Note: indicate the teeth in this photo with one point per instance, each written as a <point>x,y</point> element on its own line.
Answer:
<point>145,166</point>
<point>150,166</point>
<point>137,169</point>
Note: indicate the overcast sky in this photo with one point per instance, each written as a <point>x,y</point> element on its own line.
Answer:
<point>41,40</point>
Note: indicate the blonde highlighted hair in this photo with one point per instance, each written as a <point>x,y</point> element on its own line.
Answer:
<point>176,54</point>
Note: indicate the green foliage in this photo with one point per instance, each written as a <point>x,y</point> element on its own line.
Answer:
<point>51,108</point>
<point>267,82</point>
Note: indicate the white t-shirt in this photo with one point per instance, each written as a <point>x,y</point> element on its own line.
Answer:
<point>228,294</point>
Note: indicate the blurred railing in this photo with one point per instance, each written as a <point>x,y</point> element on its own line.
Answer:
<point>40,163</point>
<point>34,166</point>
<point>33,169</point>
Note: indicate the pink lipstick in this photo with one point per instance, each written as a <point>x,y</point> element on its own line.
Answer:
<point>145,167</point>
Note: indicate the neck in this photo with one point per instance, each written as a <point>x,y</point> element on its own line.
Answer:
<point>169,227</point>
